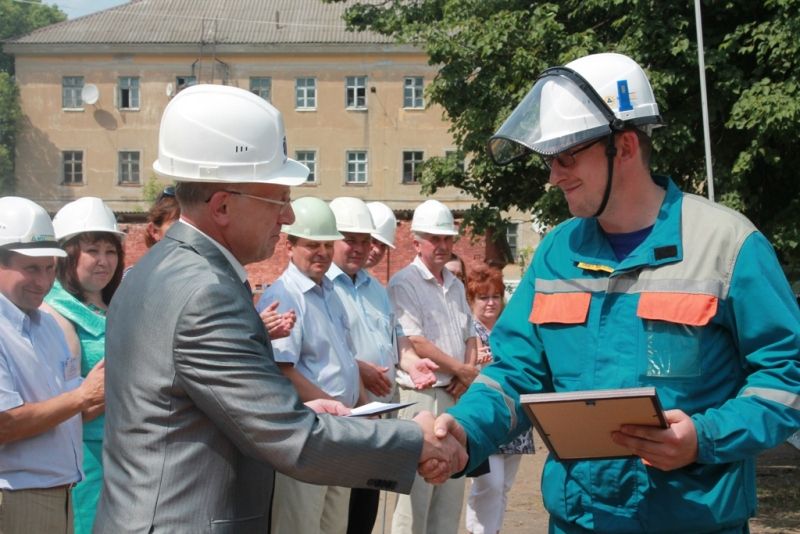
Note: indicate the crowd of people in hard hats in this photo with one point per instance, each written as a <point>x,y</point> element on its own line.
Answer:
<point>162,399</point>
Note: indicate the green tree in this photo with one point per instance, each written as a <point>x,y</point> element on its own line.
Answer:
<point>490,52</point>
<point>16,18</point>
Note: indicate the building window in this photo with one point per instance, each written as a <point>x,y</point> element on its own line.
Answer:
<point>182,82</point>
<point>357,167</point>
<point>305,91</point>
<point>309,159</point>
<point>128,92</point>
<point>356,92</point>
<point>511,239</point>
<point>412,161</point>
<point>129,168</point>
<point>73,167</point>
<point>261,87</point>
<point>412,92</point>
<point>71,87</point>
<point>458,157</point>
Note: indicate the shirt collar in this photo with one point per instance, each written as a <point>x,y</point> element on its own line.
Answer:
<point>240,270</point>
<point>447,276</point>
<point>19,319</point>
<point>336,273</point>
<point>305,283</point>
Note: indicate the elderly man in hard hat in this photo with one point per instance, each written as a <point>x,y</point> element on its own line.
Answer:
<point>431,306</point>
<point>198,415</point>
<point>373,330</point>
<point>318,356</point>
<point>646,286</point>
<point>42,397</point>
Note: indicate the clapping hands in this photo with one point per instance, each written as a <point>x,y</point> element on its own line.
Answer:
<point>444,448</point>
<point>278,325</point>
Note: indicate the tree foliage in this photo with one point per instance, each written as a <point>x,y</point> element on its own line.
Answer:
<point>490,52</point>
<point>16,18</point>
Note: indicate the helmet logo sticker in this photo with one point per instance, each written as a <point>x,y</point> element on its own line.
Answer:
<point>623,96</point>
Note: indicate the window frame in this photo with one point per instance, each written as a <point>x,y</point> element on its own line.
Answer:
<point>513,248</point>
<point>362,167</point>
<point>120,172</point>
<point>258,90</point>
<point>74,90</point>
<point>410,96</point>
<point>301,94</point>
<point>413,162</point>
<point>354,85</point>
<point>135,93</point>
<point>312,176</point>
<point>73,163</point>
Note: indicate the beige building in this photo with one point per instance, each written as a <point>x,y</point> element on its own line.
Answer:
<point>354,104</point>
<point>93,90</point>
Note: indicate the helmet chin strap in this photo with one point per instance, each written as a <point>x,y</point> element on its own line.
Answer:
<point>611,152</point>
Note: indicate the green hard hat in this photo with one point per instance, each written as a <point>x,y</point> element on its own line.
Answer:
<point>314,220</point>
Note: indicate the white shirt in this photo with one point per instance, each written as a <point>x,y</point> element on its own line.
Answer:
<point>319,345</point>
<point>371,320</point>
<point>36,365</point>
<point>437,312</point>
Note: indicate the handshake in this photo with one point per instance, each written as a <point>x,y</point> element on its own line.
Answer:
<point>444,448</point>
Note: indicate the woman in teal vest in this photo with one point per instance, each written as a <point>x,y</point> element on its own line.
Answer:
<point>86,281</point>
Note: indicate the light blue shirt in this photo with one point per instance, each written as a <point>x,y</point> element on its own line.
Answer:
<point>319,345</point>
<point>371,320</point>
<point>35,366</point>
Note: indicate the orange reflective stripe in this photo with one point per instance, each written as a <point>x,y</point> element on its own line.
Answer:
<point>682,308</point>
<point>564,308</point>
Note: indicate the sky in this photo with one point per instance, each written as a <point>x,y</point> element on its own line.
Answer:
<point>79,8</point>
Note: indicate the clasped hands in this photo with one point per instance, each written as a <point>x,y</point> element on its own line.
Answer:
<point>444,449</point>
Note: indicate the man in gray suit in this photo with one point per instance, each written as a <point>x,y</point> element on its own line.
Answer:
<point>198,415</point>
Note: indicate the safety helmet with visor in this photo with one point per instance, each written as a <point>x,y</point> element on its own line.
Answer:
<point>588,98</point>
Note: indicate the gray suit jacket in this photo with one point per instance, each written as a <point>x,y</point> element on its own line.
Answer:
<point>198,415</point>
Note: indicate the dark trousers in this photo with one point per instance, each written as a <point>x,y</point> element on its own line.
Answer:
<point>363,510</point>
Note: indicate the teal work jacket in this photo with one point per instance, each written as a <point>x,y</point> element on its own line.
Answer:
<point>702,311</point>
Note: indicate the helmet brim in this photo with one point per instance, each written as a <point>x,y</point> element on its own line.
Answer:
<point>382,239</point>
<point>38,252</point>
<point>291,173</point>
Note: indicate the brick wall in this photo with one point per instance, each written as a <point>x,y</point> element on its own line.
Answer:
<point>266,272</point>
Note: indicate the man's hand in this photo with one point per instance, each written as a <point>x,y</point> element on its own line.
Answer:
<point>443,450</point>
<point>466,373</point>
<point>374,378</point>
<point>662,448</point>
<point>421,373</point>
<point>456,388</point>
<point>330,406</point>
<point>278,325</point>
<point>92,392</point>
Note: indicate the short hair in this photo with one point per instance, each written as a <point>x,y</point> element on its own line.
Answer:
<point>5,256</point>
<point>645,146</point>
<point>484,280</point>
<point>194,193</point>
<point>165,209</point>
<point>66,268</point>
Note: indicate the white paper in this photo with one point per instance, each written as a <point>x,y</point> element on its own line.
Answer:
<point>375,408</point>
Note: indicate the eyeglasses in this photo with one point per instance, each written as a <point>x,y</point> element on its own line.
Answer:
<point>567,159</point>
<point>281,203</point>
<point>168,191</point>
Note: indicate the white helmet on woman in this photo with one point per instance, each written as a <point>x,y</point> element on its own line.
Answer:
<point>87,214</point>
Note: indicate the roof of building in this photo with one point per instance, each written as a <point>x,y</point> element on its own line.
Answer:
<point>235,22</point>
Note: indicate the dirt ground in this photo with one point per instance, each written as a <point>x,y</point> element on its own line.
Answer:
<point>778,475</point>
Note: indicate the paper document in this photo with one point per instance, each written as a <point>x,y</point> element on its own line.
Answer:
<point>376,408</point>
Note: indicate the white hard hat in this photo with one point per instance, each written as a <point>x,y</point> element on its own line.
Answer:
<point>314,220</point>
<point>216,133</point>
<point>27,229</point>
<point>352,215</point>
<point>588,98</point>
<point>87,214</point>
<point>385,222</point>
<point>433,217</point>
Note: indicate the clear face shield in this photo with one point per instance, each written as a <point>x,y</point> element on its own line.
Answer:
<point>561,111</point>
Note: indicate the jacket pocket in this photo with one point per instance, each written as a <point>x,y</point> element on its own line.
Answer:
<point>672,327</point>
<point>560,308</point>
